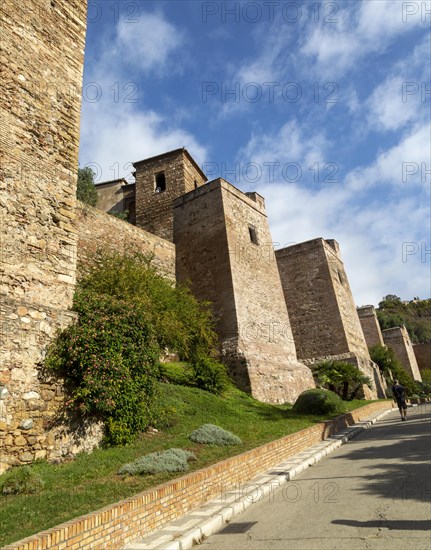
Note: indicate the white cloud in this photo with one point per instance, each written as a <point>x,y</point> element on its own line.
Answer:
<point>404,166</point>
<point>114,137</point>
<point>363,28</point>
<point>117,129</point>
<point>399,100</point>
<point>292,143</point>
<point>148,44</point>
<point>371,227</point>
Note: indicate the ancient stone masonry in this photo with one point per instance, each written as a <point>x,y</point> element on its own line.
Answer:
<point>213,234</point>
<point>224,249</point>
<point>98,230</point>
<point>160,180</point>
<point>325,323</point>
<point>423,355</point>
<point>117,196</point>
<point>398,339</point>
<point>370,326</point>
<point>43,43</point>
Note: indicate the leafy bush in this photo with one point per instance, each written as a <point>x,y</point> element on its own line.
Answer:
<point>209,375</point>
<point>388,363</point>
<point>214,435</point>
<point>171,460</point>
<point>86,190</point>
<point>426,376</point>
<point>341,377</point>
<point>110,357</point>
<point>20,480</point>
<point>414,315</point>
<point>182,323</point>
<point>319,401</point>
<point>124,216</point>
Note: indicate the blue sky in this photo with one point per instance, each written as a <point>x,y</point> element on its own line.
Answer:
<point>321,107</point>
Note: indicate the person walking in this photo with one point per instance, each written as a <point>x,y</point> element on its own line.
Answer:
<point>399,393</point>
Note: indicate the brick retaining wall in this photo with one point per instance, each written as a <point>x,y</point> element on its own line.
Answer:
<point>123,522</point>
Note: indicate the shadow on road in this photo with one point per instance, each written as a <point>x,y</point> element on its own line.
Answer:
<point>408,477</point>
<point>399,525</point>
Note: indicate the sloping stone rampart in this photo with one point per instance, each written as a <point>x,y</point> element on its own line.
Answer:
<point>224,248</point>
<point>98,230</point>
<point>423,355</point>
<point>398,339</point>
<point>370,326</point>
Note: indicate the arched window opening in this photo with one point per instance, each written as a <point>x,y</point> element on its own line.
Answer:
<point>160,182</point>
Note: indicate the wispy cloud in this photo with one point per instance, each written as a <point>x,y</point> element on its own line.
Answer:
<point>117,126</point>
<point>372,227</point>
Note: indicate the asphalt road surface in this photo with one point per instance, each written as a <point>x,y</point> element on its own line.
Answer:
<point>373,492</point>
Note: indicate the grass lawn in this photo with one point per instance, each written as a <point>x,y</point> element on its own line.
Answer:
<point>91,482</point>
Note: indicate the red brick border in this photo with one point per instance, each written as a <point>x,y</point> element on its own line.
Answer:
<point>123,522</point>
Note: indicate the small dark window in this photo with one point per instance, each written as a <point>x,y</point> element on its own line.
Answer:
<point>196,184</point>
<point>253,234</point>
<point>160,182</point>
<point>340,277</point>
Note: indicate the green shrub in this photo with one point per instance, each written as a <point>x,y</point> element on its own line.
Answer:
<point>210,375</point>
<point>124,216</point>
<point>182,323</point>
<point>214,435</point>
<point>388,363</point>
<point>20,480</point>
<point>171,460</point>
<point>319,401</point>
<point>86,190</point>
<point>109,358</point>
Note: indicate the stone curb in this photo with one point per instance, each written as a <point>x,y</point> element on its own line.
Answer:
<point>199,524</point>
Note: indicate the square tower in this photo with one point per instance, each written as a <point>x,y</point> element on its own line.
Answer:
<point>370,326</point>
<point>325,323</point>
<point>398,339</point>
<point>158,182</point>
<point>224,248</point>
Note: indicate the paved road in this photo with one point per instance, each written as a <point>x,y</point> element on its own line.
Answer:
<point>372,493</point>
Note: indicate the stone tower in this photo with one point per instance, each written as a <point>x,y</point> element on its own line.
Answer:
<point>159,181</point>
<point>224,248</point>
<point>43,46</point>
<point>325,323</point>
<point>370,326</point>
<point>398,339</point>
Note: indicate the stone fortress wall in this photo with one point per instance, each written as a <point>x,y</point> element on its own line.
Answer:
<point>39,135</point>
<point>324,320</point>
<point>100,231</point>
<point>423,355</point>
<point>370,326</point>
<point>159,181</point>
<point>398,339</point>
<point>212,234</point>
<point>224,249</point>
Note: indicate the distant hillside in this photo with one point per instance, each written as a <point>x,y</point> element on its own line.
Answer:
<point>415,315</point>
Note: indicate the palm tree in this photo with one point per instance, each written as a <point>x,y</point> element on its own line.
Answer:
<point>341,377</point>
